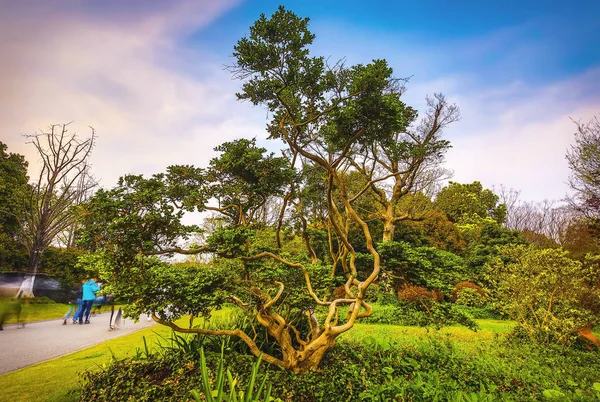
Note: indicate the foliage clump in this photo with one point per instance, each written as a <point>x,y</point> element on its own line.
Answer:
<point>550,295</point>
<point>412,293</point>
<point>469,294</point>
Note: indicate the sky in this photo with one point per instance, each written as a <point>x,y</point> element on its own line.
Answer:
<point>149,76</point>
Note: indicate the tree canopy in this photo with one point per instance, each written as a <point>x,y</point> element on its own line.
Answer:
<point>466,203</point>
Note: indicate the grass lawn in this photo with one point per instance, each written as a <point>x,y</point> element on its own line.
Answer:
<point>409,336</point>
<point>57,379</point>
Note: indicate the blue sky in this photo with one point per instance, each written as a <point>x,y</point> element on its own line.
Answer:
<point>538,40</point>
<point>149,77</point>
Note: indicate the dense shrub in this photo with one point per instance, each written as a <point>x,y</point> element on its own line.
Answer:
<point>422,266</point>
<point>435,368</point>
<point>466,285</point>
<point>547,292</point>
<point>486,312</point>
<point>470,297</point>
<point>412,293</point>
<point>413,314</point>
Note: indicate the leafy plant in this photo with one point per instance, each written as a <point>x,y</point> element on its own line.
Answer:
<point>470,297</point>
<point>218,394</point>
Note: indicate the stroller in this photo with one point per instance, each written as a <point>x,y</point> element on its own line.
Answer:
<point>101,301</point>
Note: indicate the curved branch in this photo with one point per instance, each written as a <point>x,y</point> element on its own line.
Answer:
<point>277,296</point>
<point>291,264</point>
<point>297,334</point>
<point>203,249</point>
<point>333,308</point>
<point>239,302</point>
<point>229,332</point>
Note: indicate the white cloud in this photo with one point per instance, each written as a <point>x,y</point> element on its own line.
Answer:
<point>518,135</point>
<point>125,80</point>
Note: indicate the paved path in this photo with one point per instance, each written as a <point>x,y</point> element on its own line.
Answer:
<point>40,341</point>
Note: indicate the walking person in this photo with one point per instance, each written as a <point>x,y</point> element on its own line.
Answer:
<point>89,289</point>
<point>13,307</point>
<point>75,308</point>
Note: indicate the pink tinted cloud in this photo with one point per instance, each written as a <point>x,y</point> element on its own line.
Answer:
<point>115,69</point>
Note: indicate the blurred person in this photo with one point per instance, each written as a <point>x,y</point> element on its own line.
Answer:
<point>12,307</point>
<point>101,301</point>
<point>75,309</point>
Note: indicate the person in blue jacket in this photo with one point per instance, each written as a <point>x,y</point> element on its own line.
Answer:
<point>89,289</point>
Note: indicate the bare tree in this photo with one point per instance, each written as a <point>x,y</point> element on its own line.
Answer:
<point>584,162</point>
<point>548,218</point>
<point>63,180</point>
<point>510,198</point>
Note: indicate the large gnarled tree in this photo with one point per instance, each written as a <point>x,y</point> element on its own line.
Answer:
<point>325,116</point>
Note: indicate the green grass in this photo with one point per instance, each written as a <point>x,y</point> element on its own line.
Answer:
<point>42,312</point>
<point>56,380</point>
<point>409,336</point>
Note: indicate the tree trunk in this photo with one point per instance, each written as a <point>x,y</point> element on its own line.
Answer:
<point>308,358</point>
<point>26,289</point>
<point>388,230</point>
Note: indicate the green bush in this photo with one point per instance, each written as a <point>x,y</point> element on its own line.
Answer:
<point>470,297</point>
<point>547,293</point>
<point>435,368</point>
<point>486,312</point>
<point>415,314</point>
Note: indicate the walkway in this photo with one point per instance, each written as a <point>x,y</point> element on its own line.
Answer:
<point>40,341</point>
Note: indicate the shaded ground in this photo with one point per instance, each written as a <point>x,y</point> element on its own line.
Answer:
<point>40,341</point>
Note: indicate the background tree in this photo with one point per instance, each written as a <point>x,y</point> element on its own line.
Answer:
<point>405,162</point>
<point>584,162</point>
<point>463,203</point>
<point>550,295</point>
<point>434,230</point>
<point>13,189</point>
<point>48,206</point>
<point>484,244</point>
<point>579,239</point>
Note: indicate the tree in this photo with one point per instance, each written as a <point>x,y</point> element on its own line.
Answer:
<point>464,202</point>
<point>13,188</point>
<point>322,114</point>
<point>434,230</point>
<point>584,161</point>
<point>404,163</point>
<point>424,266</point>
<point>579,240</point>
<point>542,220</point>
<point>484,242</point>
<point>48,206</point>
